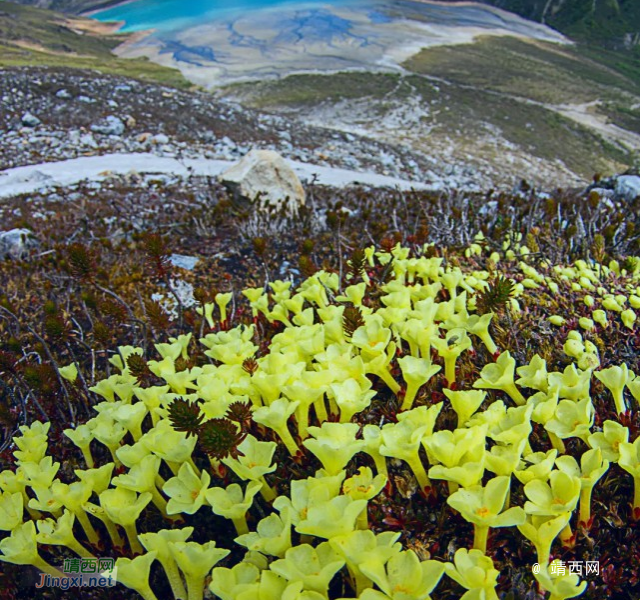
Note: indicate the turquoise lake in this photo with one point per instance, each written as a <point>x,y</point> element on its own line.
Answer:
<point>168,15</point>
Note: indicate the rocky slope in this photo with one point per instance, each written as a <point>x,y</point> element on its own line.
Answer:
<point>56,114</point>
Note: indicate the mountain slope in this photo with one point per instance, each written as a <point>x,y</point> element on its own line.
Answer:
<point>504,105</point>
<point>612,23</point>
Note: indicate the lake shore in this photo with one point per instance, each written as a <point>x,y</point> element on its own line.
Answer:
<point>108,5</point>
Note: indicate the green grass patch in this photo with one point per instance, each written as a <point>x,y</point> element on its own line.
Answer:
<point>543,72</point>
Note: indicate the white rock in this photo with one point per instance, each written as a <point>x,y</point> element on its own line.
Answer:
<point>264,174</point>
<point>184,262</point>
<point>160,139</point>
<point>29,120</point>
<point>15,243</point>
<point>628,187</point>
<point>88,140</point>
<point>110,126</point>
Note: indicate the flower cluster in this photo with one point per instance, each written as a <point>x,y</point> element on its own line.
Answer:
<point>515,441</point>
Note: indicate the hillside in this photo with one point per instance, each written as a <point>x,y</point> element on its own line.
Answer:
<point>613,23</point>
<point>502,105</point>
<point>33,36</point>
<point>69,6</point>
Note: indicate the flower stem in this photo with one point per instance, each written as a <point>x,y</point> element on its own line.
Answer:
<point>193,466</point>
<point>88,458</point>
<point>450,369</point>
<point>361,582</point>
<point>585,506</point>
<point>268,493</point>
<point>146,593</point>
<point>79,549</point>
<point>362,522</point>
<point>287,438</point>
<point>380,462</point>
<point>100,514</point>
<point>89,531</point>
<point>116,538</point>
<point>636,496</point>
<point>175,581</point>
<point>45,567</point>
<point>302,417</point>
<point>487,340</point>
<point>321,409</point>
<point>195,587</point>
<point>618,398</point>
<point>241,525</point>
<point>543,552</point>
<point>385,375</point>
<point>409,397</point>
<point>333,406</point>
<point>132,536</point>
<point>566,537</point>
<point>515,394</point>
<point>425,350</point>
<point>418,470</point>
<point>480,535</point>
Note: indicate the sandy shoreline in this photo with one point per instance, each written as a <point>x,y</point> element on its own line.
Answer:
<point>95,11</point>
<point>92,26</point>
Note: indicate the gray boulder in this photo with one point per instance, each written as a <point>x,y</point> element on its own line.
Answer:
<point>263,176</point>
<point>16,243</point>
<point>109,126</point>
<point>29,120</point>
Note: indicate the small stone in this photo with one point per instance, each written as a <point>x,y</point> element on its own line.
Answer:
<point>88,140</point>
<point>63,94</point>
<point>183,262</point>
<point>160,139</point>
<point>109,126</point>
<point>29,120</point>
